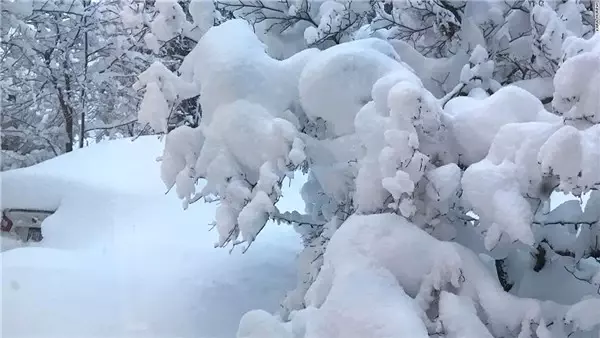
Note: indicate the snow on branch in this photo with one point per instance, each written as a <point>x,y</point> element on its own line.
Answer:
<point>431,163</point>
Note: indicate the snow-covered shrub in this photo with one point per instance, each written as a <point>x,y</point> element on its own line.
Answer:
<point>427,206</point>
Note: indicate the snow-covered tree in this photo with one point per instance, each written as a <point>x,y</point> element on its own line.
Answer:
<point>434,146</point>
<point>67,70</point>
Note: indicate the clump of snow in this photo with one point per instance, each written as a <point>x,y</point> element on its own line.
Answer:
<point>401,130</point>
<point>549,33</point>
<point>567,141</point>
<point>475,122</point>
<point>439,75</point>
<point>458,317</point>
<point>234,111</point>
<point>182,148</point>
<point>266,157</point>
<point>169,21</point>
<point>163,90</point>
<point>478,73</point>
<point>228,72</point>
<point>578,102</point>
<point>130,17</point>
<point>152,42</point>
<point>261,324</point>
<point>250,133</point>
<point>506,211</point>
<point>337,83</point>
<point>391,312</point>
<point>335,18</point>
<point>542,88</point>
<point>583,315</point>
<point>203,16</point>
<point>154,109</point>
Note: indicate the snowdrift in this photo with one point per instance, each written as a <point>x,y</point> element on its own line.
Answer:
<point>120,258</point>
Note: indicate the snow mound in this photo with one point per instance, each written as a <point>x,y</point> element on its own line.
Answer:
<point>122,259</point>
<point>122,166</point>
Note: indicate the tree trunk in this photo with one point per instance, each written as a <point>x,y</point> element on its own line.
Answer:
<point>86,3</point>
<point>82,129</point>
<point>68,110</point>
<point>68,116</point>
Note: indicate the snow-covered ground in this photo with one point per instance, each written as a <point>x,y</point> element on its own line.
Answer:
<point>122,259</point>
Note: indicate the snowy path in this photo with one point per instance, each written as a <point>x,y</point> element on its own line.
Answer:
<point>127,261</point>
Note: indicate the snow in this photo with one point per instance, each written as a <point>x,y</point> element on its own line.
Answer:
<point>431,187</point>
<point>180,152</point>
<point>163,89</point>
<point>250,133</point>
<point>384,239</point>
<point>130,18</point>
<point>542,88</point>
<point>549,34</point>
<point>476,122</point>
<point>121,258</point>
<point>19,8</point>
<point>152,42</point>
<point>439,75</point>
<point>573,98</point>
<point>567,142</point>
<point>228,72</point>
<point>154,109</point>
<point>398,184</point>
<point>477,74</point>
<point>584,315</point>
<point>443,182</point>
<point>169,21</point>
<point>336,83</point>
<point>371,258</point>
<point>267,326</point>
<point>391,312</point>
<point>242,137</point>
<point>44,185</point>
<point>459,317</point>
<point>378,144</point>
<point>202,13</point>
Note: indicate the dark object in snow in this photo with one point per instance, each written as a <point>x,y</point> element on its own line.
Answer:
<point>34,234</point>
<point>6,223</point>
<point>24,223</point>
<point>388,7</point>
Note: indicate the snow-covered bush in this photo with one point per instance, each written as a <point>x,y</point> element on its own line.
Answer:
<point>427,203</point>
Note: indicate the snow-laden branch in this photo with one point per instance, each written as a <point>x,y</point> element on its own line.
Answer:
<point>436,206</point>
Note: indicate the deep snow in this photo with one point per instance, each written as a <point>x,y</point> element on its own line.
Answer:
<point>122,259</point>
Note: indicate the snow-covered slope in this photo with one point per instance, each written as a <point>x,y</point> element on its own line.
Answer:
<point>122,259</point>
